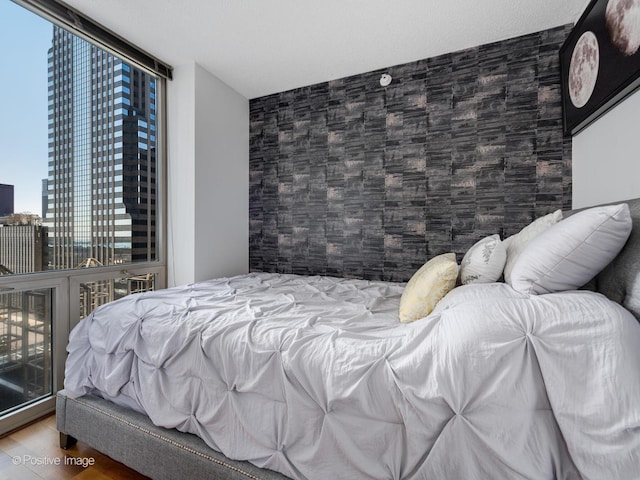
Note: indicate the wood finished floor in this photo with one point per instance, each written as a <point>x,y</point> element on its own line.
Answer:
<point>40,440</point>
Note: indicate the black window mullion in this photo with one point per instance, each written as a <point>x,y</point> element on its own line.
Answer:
<point>82,25</point>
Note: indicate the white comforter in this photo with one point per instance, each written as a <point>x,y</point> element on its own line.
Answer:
<point>315,378</point>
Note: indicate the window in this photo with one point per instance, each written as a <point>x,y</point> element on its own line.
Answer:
<point>74,231</point>
<point>69,150</point>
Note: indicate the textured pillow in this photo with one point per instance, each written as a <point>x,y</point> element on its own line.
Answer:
<point>427,286</point>
<point>484,262</point>
<point>516,244</point>
<point>573,251</point>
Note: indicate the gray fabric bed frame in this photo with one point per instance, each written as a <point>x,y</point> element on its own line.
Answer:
<point>130,438</point>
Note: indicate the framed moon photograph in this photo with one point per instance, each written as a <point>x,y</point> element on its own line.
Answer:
<point>600,61</point>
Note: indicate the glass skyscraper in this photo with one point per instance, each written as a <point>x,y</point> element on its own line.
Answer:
<point>102,158</point>
<point>6,199</point>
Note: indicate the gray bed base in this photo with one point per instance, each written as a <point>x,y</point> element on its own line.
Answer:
<point>130,438</point>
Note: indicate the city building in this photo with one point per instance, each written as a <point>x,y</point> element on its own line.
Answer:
<point>6,199</point>
<point>45,196</point>
<point>23,248</point>
<point>101,193</point>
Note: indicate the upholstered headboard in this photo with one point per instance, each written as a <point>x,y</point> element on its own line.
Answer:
<point>620,280</point>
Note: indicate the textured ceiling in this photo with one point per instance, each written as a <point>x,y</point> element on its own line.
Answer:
<point>260,47</point>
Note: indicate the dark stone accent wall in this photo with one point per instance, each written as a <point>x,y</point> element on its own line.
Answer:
<point>352,179</point>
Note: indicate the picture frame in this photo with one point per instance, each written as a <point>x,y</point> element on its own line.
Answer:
<point>599,61</point>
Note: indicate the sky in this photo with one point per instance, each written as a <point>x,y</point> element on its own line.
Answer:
<point>24,41</point>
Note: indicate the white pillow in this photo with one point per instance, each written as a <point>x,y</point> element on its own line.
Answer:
<point>427,286</point>
<point>573,251</point>
<point>484,262</point>
<point>516,244</point>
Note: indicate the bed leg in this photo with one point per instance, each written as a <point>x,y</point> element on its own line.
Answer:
<point>66,441</point>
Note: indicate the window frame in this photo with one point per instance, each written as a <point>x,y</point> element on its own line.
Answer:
<point>78,23</point>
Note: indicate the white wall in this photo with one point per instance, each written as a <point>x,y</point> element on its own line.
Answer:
<point>222,178</point>
<point>181,176</point>
<point>208,177</point>
<point>606,157</point>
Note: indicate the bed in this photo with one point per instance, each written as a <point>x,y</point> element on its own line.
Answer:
<point>314,377</point>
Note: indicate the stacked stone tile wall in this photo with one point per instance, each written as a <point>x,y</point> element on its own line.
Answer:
<point>353,179</point>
